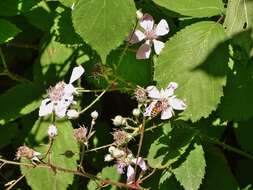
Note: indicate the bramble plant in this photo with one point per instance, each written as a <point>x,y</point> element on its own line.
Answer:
<point>159,94</point>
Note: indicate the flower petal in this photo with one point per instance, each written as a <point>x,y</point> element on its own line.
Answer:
<point>149,109</point>
<point>162,28</point>
<point>136,37</point>
<point>144,51</point>
<point>60,110</point>
<point>147,22</point>
<point>169,91</point>
<point>69,89</point>
<point>76,74</point>
<point>158,46</point>
<point>142,164</point>
<point>130,174</point>
<point>177,104</point>
<point>153,92</point>
<point>46,107</point>
<point>167,113</point>
<point>121,167</point>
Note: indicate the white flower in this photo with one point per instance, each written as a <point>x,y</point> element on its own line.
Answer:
<point>61,96</point>
<point>52,131</point>
<point>151,33</point>
<point>163,101</point>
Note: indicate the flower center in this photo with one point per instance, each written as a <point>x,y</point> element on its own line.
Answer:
<point>150,34</point>
<point>57,92</point>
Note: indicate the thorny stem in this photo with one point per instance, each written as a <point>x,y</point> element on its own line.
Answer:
<point>83,174</point>
<point>94,101</point>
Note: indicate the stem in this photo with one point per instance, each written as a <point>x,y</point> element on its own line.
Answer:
<point>82,157</point>
<point>16,181</point>
<point>83,174</point>
<point>3,59</point>
<point>230,148</point>
<point>142,130</point>
<point>99,148</point>
<point>94,101</point>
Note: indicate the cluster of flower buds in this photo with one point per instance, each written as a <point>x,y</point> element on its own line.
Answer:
<point>124,161</point>
<point>150,34</point>
<point>61,97</point>
<point>162,101</point>
<point>28,153</point>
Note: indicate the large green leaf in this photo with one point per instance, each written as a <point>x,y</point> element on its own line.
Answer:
<point>237,101</point>
<point>239,16</point>
<point>19,100</point>
<point>54,62</point>
<point>196,58</point>
<point>67,3</point>
<point>64,144</point>
<point>168,148</point>
<point>8,31</point>
<point>200,8</point>
<point>104,24</point>
<point>107,173</point>
<point>218,174</point>
<point>191,172</point>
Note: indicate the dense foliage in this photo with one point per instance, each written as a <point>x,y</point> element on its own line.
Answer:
<point>126,94</point>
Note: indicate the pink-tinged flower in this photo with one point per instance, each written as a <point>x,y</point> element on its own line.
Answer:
<point>61,96</point>
<point>28,153</point>
<point>163,101</point>
<point>151,35</point>
<point>124,161</point>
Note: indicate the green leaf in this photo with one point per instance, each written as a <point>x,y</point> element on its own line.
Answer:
<point>165,176</point>
<point>239,13</point>
<point>168,148</point>
<point>54,62</point>
<point>191,172</point>
<point>64,30</point>
<point>18,101</point>
<point>14,7</point>
<point>200,8</point>
<point>67,3</point>
<point>64,151</point>
<point>218,175</point>
<point>136,72</point>
<point>243,133</point>
<point>8,31</point>
<point>107,173</point>
<point>196,58</point>
<point>237,101</point>
<point>104,24</point>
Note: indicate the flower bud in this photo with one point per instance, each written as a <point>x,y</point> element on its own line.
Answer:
<point>121,137</point>
<point>115,152</point>
<point>140,95</point>
<point>108,158</point>
<point>52,131</point>
<point>136,112</point>
<point>139,14</point>
<point>72,114</point>
<point>94,115</point>
<point>118,120</point>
